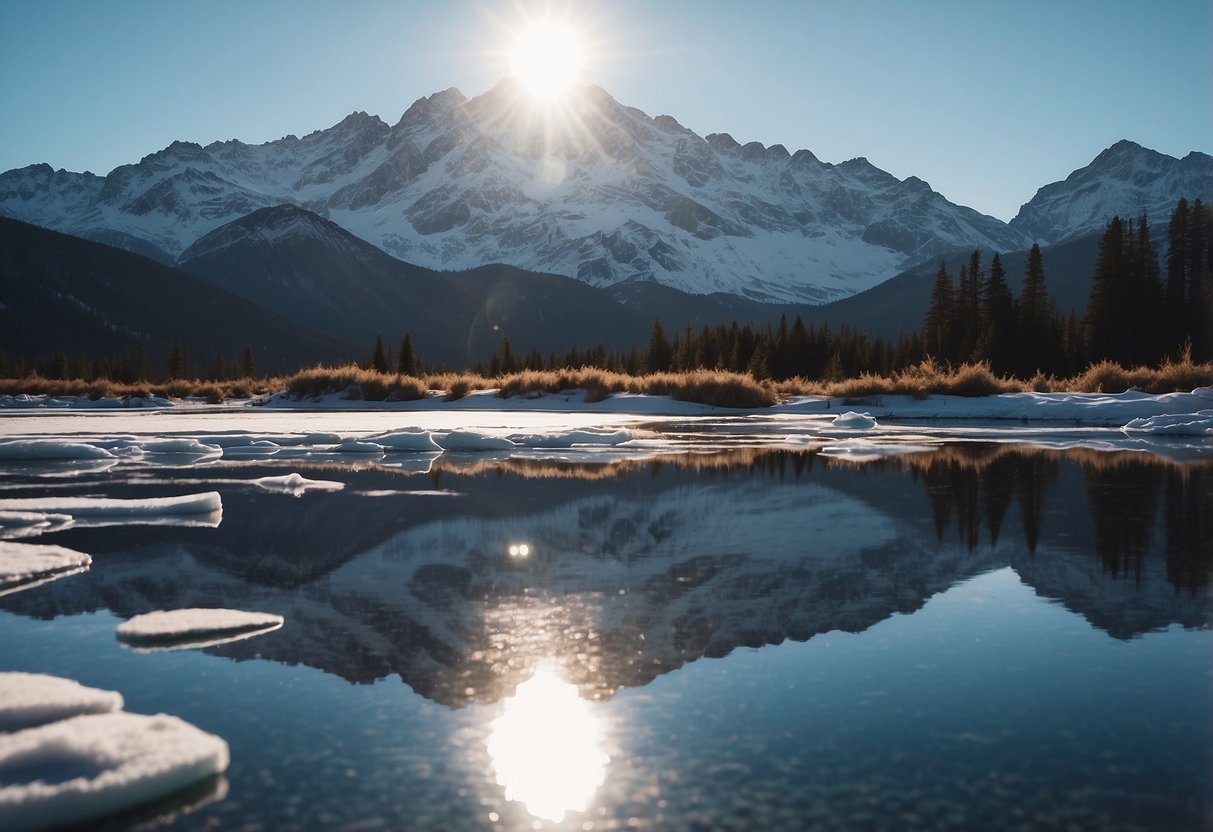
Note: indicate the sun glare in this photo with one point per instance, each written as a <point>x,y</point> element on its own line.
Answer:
<point>546,747</point>
<point>547,58</point>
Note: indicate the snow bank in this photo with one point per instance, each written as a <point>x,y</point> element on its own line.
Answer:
<point>194,627</point>
<point>405,439</point>
<point>86,767</point>
<point>29,699</point>
<point>1186,424</point>
<point>854,421</point>
<point>204,503</point>
<point>23,563</point>
<point>470,440</point>
<point>30,523</point>
<point>602,437</point>
<point>50,449</point>
<point>296,484</point>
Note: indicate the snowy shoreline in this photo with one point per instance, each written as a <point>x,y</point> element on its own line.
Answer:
<point>1131,410</point>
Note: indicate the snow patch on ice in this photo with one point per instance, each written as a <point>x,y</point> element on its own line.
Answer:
<point>470,440</point>
<point>195,627</point>
<point>356,446</point>
<point>30,523</point>
<point>854,421</point>
<point>86,767</point>
<point>30,699</point>
<point>50,449</point>
<point>204,503</point>
<point>573,438</point>
<point>297,484</point>
<point>1186,424</point>
<point>405,439</point>
<point>23,563</point>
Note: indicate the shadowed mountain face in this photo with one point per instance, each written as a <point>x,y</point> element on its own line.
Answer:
<point>59,292</point>
<point>635,569</point>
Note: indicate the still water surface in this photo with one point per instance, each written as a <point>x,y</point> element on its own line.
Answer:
<point>977,637</point>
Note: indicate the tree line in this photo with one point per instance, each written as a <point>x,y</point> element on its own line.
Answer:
<point>1138,312</point>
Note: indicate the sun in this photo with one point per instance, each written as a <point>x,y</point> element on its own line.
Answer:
<point>547,58</point>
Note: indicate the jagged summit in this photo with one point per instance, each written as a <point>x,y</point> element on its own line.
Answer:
<point>1126,179</point>
<point>587,187</point>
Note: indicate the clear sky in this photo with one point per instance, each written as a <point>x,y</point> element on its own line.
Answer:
<point>985,100</point>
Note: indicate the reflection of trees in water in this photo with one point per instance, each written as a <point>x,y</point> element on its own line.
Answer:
<point>1123,499</point>
<point>1124,508</point>
<point>978,483</point>
<point>1189,524</point>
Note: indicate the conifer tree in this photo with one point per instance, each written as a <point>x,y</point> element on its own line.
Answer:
<point>661,352</point>
<point>937,330</point>
<point>176,362</point>
<point>406,359</point>
<point>379,357</point>
<point>249,365</point>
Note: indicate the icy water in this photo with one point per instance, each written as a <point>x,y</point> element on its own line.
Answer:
<point>978,636</point>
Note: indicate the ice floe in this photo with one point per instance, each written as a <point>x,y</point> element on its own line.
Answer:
<point>24,564</point>
<point>405,439</point>
<point>50,449</point>
<point>30,523</point>
<point>603,437</point>
<point>296,484</point>
<point>30,699</point>
<point>866,450</point>
<point>356,446</point>
<point>185,628</point>
<point>854,421</point>
<point>86,767</point>
<point>470,440</point>
<point>204,503</point>
<point>1185,424</point>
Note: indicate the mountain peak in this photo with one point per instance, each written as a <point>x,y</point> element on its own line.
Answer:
<point>1124,179</point>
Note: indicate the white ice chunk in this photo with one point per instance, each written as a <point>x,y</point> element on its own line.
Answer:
<point>50,449</point>
<point>297,484</point>
<point>317,438</point>
<point>573,438</point>
<point>406,439</point>
<point>864,450</point>
<point>204,503</point>
<point>29,699</point>
<point>1185,424</point>
<point>190,447</point>
<point>194,627</point>
<point>31,523</point>
<point>854,421</point>
<point>468,440</point>
<point>23,563</point>
<point>354,446</point>
<point>90,766</point>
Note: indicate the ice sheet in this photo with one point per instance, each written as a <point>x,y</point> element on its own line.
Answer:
<point>194,626</point>
<point>86,767</point>
<point>205,503</point>
<point>24,563</point>
<point>30,699</point>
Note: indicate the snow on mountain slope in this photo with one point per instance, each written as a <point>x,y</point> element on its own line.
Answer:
<point>594,189</point>
<point>1125,179</point>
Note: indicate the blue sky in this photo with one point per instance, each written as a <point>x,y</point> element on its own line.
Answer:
<point>987,101</point>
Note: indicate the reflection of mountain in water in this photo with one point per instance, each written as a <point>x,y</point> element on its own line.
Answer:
<point>636,570</point>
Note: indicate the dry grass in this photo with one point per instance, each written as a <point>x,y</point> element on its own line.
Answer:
<point>214,392</point>
<point>357,384</point>
<point>712,387</point>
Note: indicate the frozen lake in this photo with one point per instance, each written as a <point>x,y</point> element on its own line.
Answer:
<point>686,622</point>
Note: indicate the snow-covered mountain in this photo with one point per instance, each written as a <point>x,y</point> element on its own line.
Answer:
<point>594,189</point>
<point>1125,179</point>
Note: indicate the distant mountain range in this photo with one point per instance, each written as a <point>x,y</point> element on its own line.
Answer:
<point>601,193</point>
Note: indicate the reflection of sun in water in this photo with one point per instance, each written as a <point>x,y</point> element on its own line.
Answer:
<point>545,747</point>
<point>547,58</point>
